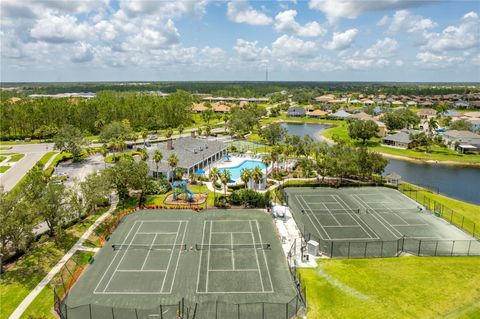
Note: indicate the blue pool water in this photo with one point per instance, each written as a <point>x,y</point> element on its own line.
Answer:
<point>236,170</point>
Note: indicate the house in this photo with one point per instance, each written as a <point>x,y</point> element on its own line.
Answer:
<point>426,113</point>
<point>324,98</point>
<point>412,103</point>
<point>396,103</point>
<point>475,104</point>
<point>220,108</point>
<point>472,114</point>
<point>462,141</point>
<point>400,139</point>
<point>199,107</point>
<point>296,111</point>
<point>475,123</point>
<point>192,153</point>
<point>317,114</point>
<point>362,116</point>
<point>340,115</point>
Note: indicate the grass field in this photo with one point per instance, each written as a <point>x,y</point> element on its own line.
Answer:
<point>409,287</point>
<point>16,157</point>
<point>3,169</point>
<point>45,158</point>
<point>23,275</point>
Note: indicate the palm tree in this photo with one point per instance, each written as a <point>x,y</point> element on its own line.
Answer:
<point>169,134</point>
<point>144,136</point>
<point>180,130</point>
<point>257,175</point>
<point>173,162</point>
<point>274,156</point>
<point>245,176</point>
<point>266,159</point>
<point>157,157</point>
<point>213,177</point>
<point>144,154</point>
<point>104,151</point>
<point>225,177</point>
<point>432,124</point>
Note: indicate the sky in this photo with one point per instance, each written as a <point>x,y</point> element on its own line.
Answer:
<point>314,40</point>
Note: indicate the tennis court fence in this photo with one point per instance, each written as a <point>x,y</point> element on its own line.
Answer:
<point>420,195</point>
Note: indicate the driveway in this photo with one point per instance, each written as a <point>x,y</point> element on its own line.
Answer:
<point>33,153</point>
<point>78,171</point>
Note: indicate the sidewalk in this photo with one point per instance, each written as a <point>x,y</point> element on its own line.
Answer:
<point>78,246</point>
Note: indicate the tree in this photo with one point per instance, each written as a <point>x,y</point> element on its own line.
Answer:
<point>208,130</point>
<point>400,119</point>
<point>169,134</point>
<point>104,151</point>
<point>257,175</point>
<point>144,154</point>
<point>213,176</point>
<point>363,130</point>
<point>95,191</point>
<point>273,133</point>
<point>267,160</point>
<point>461,125</point>
<point>370,163</point>
<point>70,140</point>
<point>432,124</point>
<point>157,157</point>
<point>225,177</point>
<point>245,176</point>
<point>208,114</point>
<point>144,137</point>
<point>117,130</point>
<point>422,139</point>
<point>173,162</point>
<point>181,128</point>
<point>52,207</point>
<point>126,175</point>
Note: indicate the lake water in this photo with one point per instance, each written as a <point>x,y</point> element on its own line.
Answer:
<point>459,182</point>
<point>313,130</point>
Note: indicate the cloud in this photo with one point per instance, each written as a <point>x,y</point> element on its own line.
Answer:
<point>163,9</point>
<point>435,61</point>
<point>285,22</point>
<point>365,64</point>
<point>153,38</point>
<point>341,40</point>
<point>249,51</point>
<point>292,47</point>
<point>462,37</point>
<point>382,48</point>
<point>351,9</point>
<point>82,53</point>
<point>59,29</point>
<point>241,12</point>
<point>405,20</point>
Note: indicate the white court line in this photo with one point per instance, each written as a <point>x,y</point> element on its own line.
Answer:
<point>256,256</point>
<point>392,212</point>
<point>178,255</point>
<point>144,270</point>
<point>157,233</point>
<point>171,254</point>
<point>223,270</point>
<point>201,255</point>
<point>234,292</point>
<point>338,223</point>
<point>148,253</point>
<point>265,257</point>
<point>358,199</point>
<point>341,226</point>
<point>231,246</point>
<point>115,257</point>
<point>409,225</point>
<point>230,232</point>
<point>311,221</point>
<point>208,255</point>
<point>357,218</point>
<point>121,259</point>
<point>164,221</point>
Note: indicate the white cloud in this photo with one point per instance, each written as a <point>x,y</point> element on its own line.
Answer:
<point>106,30</point>
<point>365,64</point>
<point>153,38</point>
<point>351,9</point>
<point>59,29</point>
<point>405,20</point>
<point>249,51</point>
<point>461,37</point>
<point>432,60</point>
<point>292,47</point>
<point>163,9</point>
<point>382,48</point>
<point>241,12</point>
<point>341,40</point>
<point>285,22</point>
<point>82,53</point>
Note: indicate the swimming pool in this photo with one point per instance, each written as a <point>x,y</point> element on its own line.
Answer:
<point>236,170</point>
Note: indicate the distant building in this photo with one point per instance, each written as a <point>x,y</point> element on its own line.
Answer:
<point>340,115</point>
<point>317,114</point>
<point>400,139</point>
<point>426,113</point>
<point>475,123</point>
<point>296,111</point>
<point>462,141</point>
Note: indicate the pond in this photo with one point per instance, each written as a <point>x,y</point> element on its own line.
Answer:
<point>460,182</point>
<point>302,129</point>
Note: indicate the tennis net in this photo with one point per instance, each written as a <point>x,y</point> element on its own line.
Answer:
<point>263,246</point>
<point>149,247</point>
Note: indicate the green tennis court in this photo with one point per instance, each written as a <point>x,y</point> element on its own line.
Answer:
<point>375,222</point>
<point>223,264</point>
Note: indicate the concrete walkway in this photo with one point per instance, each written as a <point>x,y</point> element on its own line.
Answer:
<point>78,246</point>
<point>47,165</point>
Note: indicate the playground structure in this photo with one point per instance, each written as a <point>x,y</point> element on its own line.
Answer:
<point>181,189</point>
<point>182,196</point>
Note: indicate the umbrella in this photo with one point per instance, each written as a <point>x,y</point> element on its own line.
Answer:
<point>227,156</point>
<point>200,172</point>
<point>231,181</point>
<point>176,184</point>
<point>184,182</point>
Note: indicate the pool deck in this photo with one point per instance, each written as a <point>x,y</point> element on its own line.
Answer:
<point>236,161</point>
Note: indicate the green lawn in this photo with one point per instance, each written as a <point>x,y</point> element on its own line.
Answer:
<point>470,211</point>
<point>2,158</point>
<point>16,157</point>
<point>45,158</point>
<point>405,287</point>
<point>3,169</point>
<point>21,277</point>
<point>3,143</point>
<point>158,199</point>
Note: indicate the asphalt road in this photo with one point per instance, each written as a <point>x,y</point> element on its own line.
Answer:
<point>33,153</point>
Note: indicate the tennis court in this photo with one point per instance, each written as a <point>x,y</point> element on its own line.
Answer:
<point>224,264</point>
<point>364,221</point>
